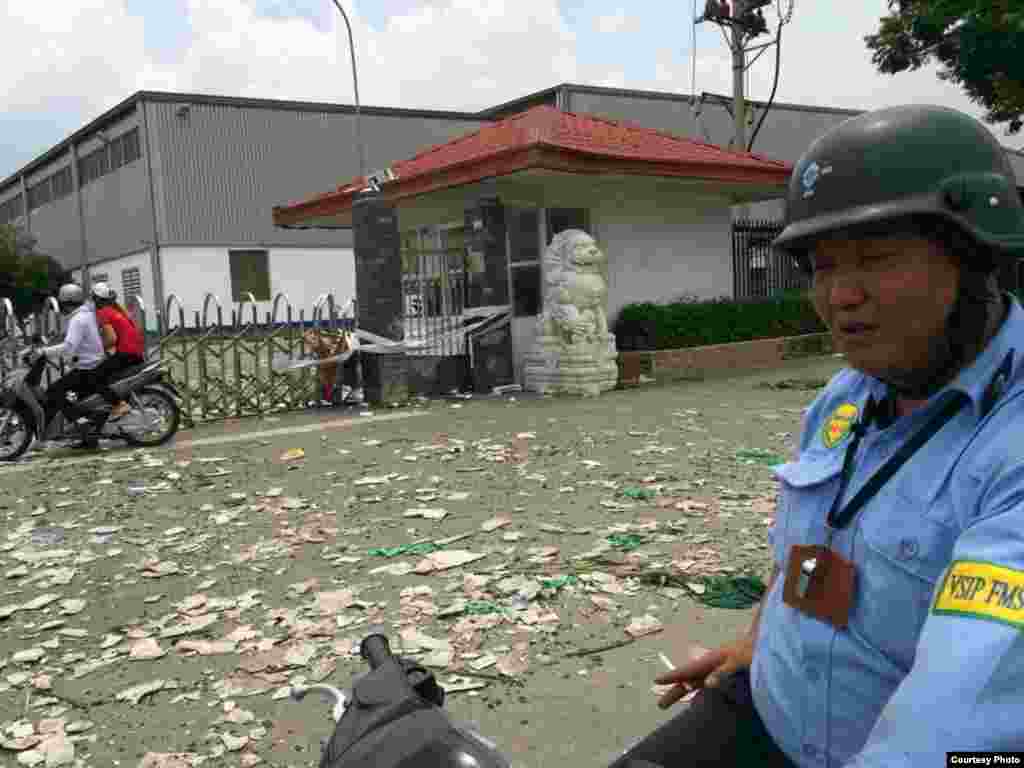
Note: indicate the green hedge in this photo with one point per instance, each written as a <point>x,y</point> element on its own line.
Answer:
<point>692,323</point>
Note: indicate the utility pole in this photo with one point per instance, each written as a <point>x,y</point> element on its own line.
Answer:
<point>745,19</point>
<point>739,69</point>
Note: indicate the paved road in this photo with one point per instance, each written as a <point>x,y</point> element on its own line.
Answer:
<point>250,556</point>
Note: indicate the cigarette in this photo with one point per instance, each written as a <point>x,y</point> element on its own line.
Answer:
<point>667,662</point>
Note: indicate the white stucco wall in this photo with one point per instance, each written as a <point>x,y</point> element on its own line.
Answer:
<point>113,269</point>
<point>659,251</point>
<point>302,273</point>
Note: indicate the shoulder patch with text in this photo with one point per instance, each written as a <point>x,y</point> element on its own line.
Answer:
<point>837,426</point>
<point>982,591</point>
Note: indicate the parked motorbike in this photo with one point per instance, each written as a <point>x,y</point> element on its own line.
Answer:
<point>393,717</point>
<point>153,420</point>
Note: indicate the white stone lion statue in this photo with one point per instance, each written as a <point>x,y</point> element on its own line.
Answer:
<point>574,352</point>
<point>575,290</point>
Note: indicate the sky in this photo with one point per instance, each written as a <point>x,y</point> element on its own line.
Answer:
<point>63,64</point>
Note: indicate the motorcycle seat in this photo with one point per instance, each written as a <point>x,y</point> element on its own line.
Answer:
<point>130,371</point>
<point>137,374</point>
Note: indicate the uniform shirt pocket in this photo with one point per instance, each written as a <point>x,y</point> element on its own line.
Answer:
<point>900,553</point>
<point>808,487</point>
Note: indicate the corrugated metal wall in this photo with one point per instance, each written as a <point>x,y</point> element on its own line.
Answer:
<point>55,227</point>
<point>117,214</point>
<point>220,169</point>
<point>786,133</point>
<point>115,207</point>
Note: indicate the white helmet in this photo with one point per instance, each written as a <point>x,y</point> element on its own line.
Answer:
<point>71,293</point>
<point>102,292</point>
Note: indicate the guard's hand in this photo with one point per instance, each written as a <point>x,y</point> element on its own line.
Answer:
<point>706,671</point>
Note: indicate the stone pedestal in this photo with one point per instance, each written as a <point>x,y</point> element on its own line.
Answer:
<point>583,369</point>
<point>574,353</point>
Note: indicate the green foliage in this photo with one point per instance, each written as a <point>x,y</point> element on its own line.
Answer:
<point>27,277</point>
<point>691,323</point>
<point>979,45</point>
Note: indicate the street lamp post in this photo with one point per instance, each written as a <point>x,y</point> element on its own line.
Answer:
<point>355,84</point>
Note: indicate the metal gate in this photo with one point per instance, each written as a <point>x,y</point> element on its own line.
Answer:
<point>224,367</point>
<point>757,272</point>
<point>434,297</point>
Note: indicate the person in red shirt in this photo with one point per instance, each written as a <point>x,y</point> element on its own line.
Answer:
<point>122,341</point>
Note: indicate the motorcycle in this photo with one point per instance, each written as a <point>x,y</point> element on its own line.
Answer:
<point>393,717</point>
<point>153,420</point>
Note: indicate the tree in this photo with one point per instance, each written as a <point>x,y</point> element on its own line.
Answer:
<point>978,43</point>
<point>27,277</point>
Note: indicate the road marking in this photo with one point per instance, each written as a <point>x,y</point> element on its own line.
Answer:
<point>175,445</point>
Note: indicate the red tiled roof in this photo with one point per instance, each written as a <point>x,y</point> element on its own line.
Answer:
<point>545,127</point>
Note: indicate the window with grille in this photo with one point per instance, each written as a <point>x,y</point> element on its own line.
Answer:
<point>62,183</point>
<point>250,273</point>
<point>103,161</point>
<point>131,146</point>
<point>131,286</point>
<point>11,209</point>
<point>120,151</point>
<point>116,153</point>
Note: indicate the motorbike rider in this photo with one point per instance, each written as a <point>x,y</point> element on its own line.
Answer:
<point>122,341</point>
<point>865,651</point>
<point>83,345</point>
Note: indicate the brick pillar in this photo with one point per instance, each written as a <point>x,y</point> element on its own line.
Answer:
<point>378,266</point>
<point>485,224</point>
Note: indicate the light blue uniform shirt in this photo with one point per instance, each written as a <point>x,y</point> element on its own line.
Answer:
<point>902,685</point>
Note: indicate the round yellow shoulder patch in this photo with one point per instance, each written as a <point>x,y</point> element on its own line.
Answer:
<point>837,426</point>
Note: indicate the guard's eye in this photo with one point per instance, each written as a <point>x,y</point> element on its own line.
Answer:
<point>877,257</point>
<point>820,264</point>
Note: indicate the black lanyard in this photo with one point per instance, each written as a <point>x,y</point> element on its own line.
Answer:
<point>839,519</point>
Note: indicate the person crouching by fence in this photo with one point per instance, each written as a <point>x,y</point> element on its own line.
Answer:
<point>327,345</point>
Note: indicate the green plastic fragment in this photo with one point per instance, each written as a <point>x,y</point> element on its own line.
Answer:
<point>424,548</point>
<point>626,542</point>
<point>735,592</point>
<point>558,582</point>
<point>761,457</point>
<point>482,607</point>
<point>639,493</point>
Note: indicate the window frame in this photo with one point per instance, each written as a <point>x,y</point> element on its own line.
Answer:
<point>542,224</point>
<point>102,161</point>
<point>126,295</point>
<point>116,152</point>
<point>549,236</point>
<point>62,183</point>
<point>130,141</point>
<point>12,209</point>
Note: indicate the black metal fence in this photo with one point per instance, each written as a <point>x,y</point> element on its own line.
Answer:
<point>757,271</point>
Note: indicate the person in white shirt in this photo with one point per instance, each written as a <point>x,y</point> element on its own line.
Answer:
<point>82,344</point>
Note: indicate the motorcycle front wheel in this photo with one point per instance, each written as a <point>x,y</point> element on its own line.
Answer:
<point>158,421</point>
<point>15,433</point>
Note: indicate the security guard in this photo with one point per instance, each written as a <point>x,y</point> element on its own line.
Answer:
<point>893,628</point>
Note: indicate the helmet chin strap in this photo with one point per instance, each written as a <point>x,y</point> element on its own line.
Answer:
<point>977,304</point>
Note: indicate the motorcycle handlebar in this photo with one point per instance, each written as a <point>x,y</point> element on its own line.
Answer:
<point>375,650</point>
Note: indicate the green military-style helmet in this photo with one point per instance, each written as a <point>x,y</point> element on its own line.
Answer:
<point>893,164</point>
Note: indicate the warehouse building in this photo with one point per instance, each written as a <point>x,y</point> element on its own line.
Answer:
<point>172,194</point>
